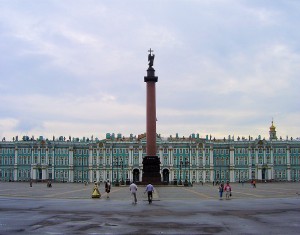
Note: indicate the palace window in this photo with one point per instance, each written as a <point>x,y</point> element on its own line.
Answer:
<point>165,160</point>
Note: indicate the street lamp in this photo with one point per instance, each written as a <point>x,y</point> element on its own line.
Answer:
<point>122,179</point>
<point>116,164</point>
<point>186,164</point>
<point>180,167</point>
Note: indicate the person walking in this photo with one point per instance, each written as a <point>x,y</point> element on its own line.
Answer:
<point>149,190</point>
<point>221,189</point>
<point>107,188</point>
<point>254,184</point>
<point>227,189</point>
<point>133,190</point>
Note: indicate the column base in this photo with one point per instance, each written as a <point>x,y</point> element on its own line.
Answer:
<point>151,170</point>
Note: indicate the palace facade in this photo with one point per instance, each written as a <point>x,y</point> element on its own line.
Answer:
<point>119,159</point>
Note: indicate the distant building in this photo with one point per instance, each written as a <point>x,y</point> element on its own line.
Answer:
<point>119,159</point>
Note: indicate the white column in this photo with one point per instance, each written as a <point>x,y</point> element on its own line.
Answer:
<point>231,175</point>
<point>44,174</point>
<point>272,156</point>
<point>256,157</point>
<point>71,165</point>
<point>288,163</point>
<point>211,163</point>
<point>15,172</point>
<point>288,174</point>
<point>204,176</point>
<point>231,157</point>
<point>140,157</point>
<point>265,159</point>
<point>249,164</point>
<point>130,156</point>
<point>232,165</point>
<point>204,158</point>
<point>33,173</point>
<point>259,174</point>
<point>211,157</point>
<point>197,157</point>
<point>71,157</point>
<point>288,156</point>
<point>39,155</point>
<point>98,163</point>
<point>90,165</point>
<point>250,173</point>
<point>270,175</point>
<point>32,159</point>
<point>211,175</point>
<point>160,155</point>
<point>16,156</point>
<point>170,159</point>
<point>53,163</point>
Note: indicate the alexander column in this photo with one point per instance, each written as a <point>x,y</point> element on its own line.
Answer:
<point>151,163</point>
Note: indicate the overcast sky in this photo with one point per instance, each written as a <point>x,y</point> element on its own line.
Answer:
<point>72,67</point>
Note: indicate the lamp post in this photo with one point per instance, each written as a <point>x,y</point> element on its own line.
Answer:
<point>116,164</point>
<point>119,165</point>
<point>186,164</point>
<point>122,179</point>
<point>180,167</point>
<point>82,168</point>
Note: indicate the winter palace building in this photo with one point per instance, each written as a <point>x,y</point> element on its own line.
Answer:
<point>119,159</point>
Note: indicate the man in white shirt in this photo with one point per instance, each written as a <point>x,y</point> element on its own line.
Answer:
<point>133,190</point>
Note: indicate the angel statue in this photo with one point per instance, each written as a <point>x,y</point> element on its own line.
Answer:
<point>150,58</point>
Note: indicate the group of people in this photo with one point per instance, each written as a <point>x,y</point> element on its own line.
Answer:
<point>225,188</point>
<point>149,190</point>
<point>96,193</point>
<point>133,189</point>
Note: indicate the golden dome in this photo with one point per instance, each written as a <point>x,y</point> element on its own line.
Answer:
<point>272,128</point>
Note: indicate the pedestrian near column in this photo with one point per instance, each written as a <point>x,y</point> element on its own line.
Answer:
<point>254,184</point>
<point>107,188</point>
<point>149,190</point>
<point>221,189</point>
<point>133,190</point>
<point>227,189</point>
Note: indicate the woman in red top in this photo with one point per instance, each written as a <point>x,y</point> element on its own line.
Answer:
<point>227,189</point>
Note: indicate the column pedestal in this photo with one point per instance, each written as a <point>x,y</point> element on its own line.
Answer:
<point>151,170</point>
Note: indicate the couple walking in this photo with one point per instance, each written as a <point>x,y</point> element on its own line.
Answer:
<point>133,190</point>
<point>226,188</point>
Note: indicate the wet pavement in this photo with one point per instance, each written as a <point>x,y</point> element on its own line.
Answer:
<point>272,208</point>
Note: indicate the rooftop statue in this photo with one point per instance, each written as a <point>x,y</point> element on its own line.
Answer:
<point>150,58</point>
